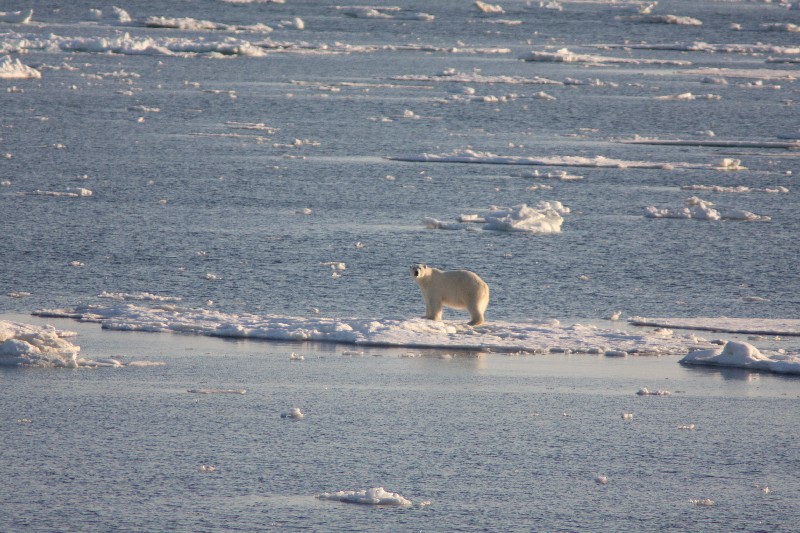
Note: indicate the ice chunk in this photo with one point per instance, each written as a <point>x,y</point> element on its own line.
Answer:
<point>373,496</point>
<point>644,391</point>
<point>14,69</point>
<point>295,414</point>
<point>743,355</point>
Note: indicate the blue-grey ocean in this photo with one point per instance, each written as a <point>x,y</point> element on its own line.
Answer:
<point>296,157</point>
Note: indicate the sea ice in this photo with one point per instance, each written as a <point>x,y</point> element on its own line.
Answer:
<point>644,391</point>
<point>217,391</point>
<point>14,69</point>
<point>373,496</point>
<point>295,414</point>
<point>28,345</point>
<point>545,217</point>
<point>743,355</point>
<point>698,209</point>
<point>488,158</point>
<point>546,336</point>
<point>46,347</point>
<point>16,17</point>
<point>564,55</point>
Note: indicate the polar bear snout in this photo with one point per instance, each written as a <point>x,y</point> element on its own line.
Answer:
<point>417,270</point>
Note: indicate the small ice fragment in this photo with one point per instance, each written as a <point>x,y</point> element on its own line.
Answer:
<point>295,414</point>
<point>728,163</point>
<point>210,276</point>
<point>688,427</point>
<point>208,468</point>
<point>484,7</point>
<point>627,416</point>
<point>304,211</point>
<point>373,496</point>
<point>24,421</point>
<point>615,315</point>
<point>708,502</point>
<point>644,391</point>
<point>296,357</point>
<point>601,480</point>
<point>217,391</point>
<point>75,264</point>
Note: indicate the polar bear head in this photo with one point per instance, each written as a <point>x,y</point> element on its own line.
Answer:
<point>419,271</point>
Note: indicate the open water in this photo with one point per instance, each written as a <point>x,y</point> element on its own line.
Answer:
<point>228,165</point>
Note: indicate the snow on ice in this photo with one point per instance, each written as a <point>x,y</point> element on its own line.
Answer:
<point>504,337</point>
<point>46,347</point>
<point>698,209</point>
<point>488,158</point>
<point>743,355</point>
<point>14,69</point>
<point>373,496</point>
<point>545,217</point>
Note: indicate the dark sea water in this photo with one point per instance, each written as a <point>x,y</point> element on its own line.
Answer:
<point>228,165</point>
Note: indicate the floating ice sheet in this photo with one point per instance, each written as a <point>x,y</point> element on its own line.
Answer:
<point>14,69</point>
<point>747,326</point>
<point>488,158</point>
<point>414,333</point>
<point>373,496</point>
<point>743,355</point>
<point>698,209</point>
<point>545,217</point>
<point>46,347</point>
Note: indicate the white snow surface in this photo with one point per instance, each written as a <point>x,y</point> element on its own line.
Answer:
<point>746,326</point>
<point>545,217</point>
<point>373,496</point>
<point>488,158</point>
<point>698,209</point>
<point>504,337</point>
<point>46,347</point>
<point>743,355</point>
<point>14,69</point>
<point>29,345</point>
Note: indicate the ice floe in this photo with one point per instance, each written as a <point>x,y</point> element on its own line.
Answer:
<point>453,75</point>
<point>736,189</point>
<point>545,217</point>
<point>138,296</point>
<point>564,55</point>
<point>698,209</point>
<point>504,337</point>
<point>375,12</point>
<point>294,413</point>
<point>644,391</point>
<point>71,192</point>
<point>663,19</point>
<point>488,158</point>
<point>373,496</point>
<point>720,143</point>
<point>14,69</point>
<point>485,7</point>
<point>743,355</point>
<point>746,326</point>
<point>217,391</point>
<point>16,17</point>
<point>46,347</point>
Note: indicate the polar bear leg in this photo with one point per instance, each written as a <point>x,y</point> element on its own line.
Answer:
<point>436,310</point>
<point>476,313</point>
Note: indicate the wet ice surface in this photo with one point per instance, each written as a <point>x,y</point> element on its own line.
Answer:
<point>468,439</point>
<point>228,158</point>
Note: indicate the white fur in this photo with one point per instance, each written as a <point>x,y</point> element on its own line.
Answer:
<point>461,289</point>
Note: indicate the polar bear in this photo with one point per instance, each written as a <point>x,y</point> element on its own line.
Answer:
<point>461,289</point>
